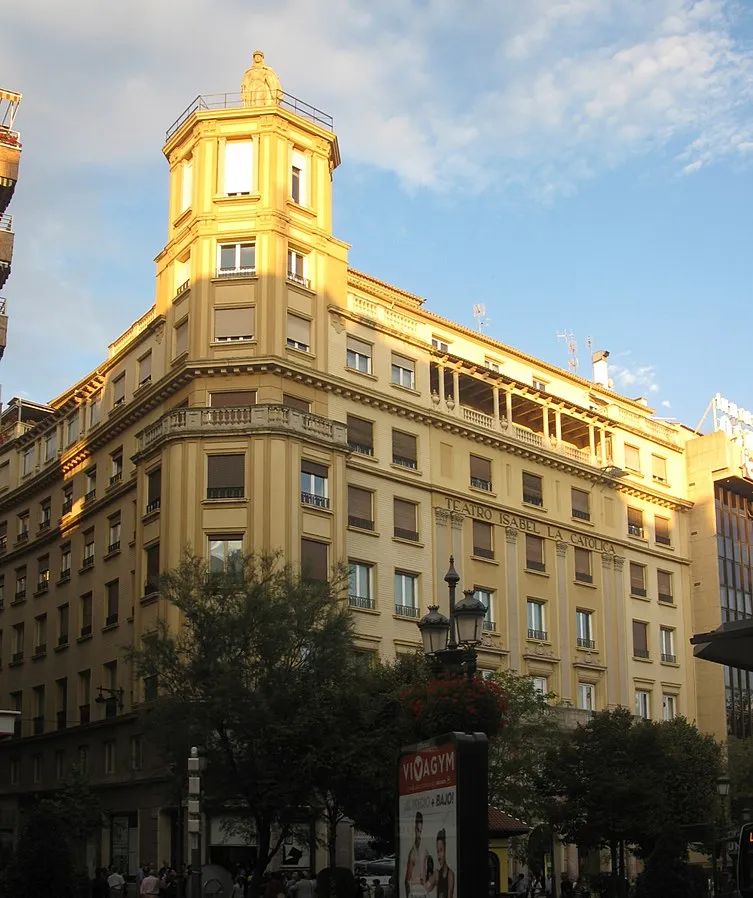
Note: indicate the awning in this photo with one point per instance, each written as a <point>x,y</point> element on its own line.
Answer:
<point>730,644</point>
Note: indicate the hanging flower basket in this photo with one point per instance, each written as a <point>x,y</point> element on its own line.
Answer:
<point>453,702</point>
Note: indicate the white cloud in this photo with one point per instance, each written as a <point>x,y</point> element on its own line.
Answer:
<point>666,403</point>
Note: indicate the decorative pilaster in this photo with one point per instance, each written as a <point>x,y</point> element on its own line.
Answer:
<point>622,629</point>
<point>611,650</point>
<point>513,616</point>
<point>457,521</point>
<point>563,610</point>
<point>442,547</point>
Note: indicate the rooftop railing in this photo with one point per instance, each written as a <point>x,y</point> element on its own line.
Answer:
<point>287,101</point>
<point>6,222</point>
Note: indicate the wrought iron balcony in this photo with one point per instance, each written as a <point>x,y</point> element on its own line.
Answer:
<point>313,499</point>
<point>224,492</point>
<point>360,523</point>
<point>404,462</point>
<point>641,653</point>
<point>585,643</point>
<point>480,484</point>
<point>360,601</point>
<point>537,634</point>
<point>406,611</point>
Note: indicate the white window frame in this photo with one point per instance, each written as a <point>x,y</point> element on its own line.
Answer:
<point>629,449</point>
<point>95,409</point>
<point>584,627</point>
<point>27,460</point>
<point>493,365</point>
<point>290,342</point>
<point>669,706</point>
<point>357,361</point>
<point>229,546</point>
<point>536,616</point>
<point>237,270</point>
<point>315,485</point>
<point>487,597</point>
<point>298,267</point>
<point>238,178</point>
<point>539,384</point>
<point>440,344</point>
<point>361,584</point>
<point>586,696</point>
<point>667,642</point>
<point>402,589</point>
<point>400,375</point>
<point>643,704</point>
<point>109,758</point>
<point>541,685</point>
<point>51,444</point>
<point>186,185</point>
<point>299,162</point>
<point>72,429</point>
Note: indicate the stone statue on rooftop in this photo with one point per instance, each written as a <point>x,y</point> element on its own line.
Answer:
<point>260,85</point>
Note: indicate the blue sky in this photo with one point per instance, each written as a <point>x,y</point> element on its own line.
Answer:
<point>578,165</point>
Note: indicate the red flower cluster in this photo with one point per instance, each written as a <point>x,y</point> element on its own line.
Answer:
<point>453,702</point>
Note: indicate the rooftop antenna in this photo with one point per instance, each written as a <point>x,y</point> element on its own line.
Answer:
<point>479,313</point>
<point>572,349</point>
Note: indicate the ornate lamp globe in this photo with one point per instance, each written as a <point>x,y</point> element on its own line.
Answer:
<point>469,619</point>
<point>434,628</point>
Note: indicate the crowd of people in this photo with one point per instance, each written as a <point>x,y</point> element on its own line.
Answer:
<point>109,882</point>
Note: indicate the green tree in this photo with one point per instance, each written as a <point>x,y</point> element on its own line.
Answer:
<point>247,675</point>
<point>42,864</point>
<point>740,769</point>
<point>77,805</point>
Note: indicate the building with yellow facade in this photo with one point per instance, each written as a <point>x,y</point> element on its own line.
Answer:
<point>273,397</point>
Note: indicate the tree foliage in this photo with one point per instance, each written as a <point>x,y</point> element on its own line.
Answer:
<point>42,863</point>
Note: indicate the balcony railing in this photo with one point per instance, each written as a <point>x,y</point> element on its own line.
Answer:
<point>360,601</point>
<point>361,448</point>
<point>402,533</point>
<point>84,713</point>
<point>235,100</point>
<point>247,272</point>
<point>535,565</point>
<point>65,574</point>
<point>180,423</point>
<point>63,639</point>
<point>116,478</point>
<point>406,611</point>
<point>480,484</point>
<point>635,530</point>
<point>480,552</point>
<point>224,492</point>
<point>360,523</point>
<point>313,499</point>
<point>88,562</point>
<point>584,642</point>
<point>111,619</point>
<point>113,547</point>
<point>299,279</point>
<point>641,653</point>
<point>669,658</point>
<point>490,625</point>
<point>666,598</point>
<point>6,222</point>
<point>581,515</point>
<point>582,577</point>
<point>533,499</point>
<point>90,496</point>
<point>86,630</point>
<point>537,634</point>
<point>154,505</point>
<point>639,591</point>
<point>404,462</point>
<point>67,506</point>
<point>663,540</point>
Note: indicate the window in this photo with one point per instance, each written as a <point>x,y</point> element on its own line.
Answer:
<point>297,268</point>
<point>59,764</point>
<point>181,338</point>
<point>637,579</point>
<point>533,491</point>
<point>406,594</point>
<point>2,591</point>
<point>541,685</point>
<point>90,484</point>
<point>85,610</point>
<point>67,498</point>
<point>83,758</point>
<point>137,752</point>
<point>586,697</point>
<point>487,597</point>
<point>632,458</point>
<point>483,536</point>
<point>405,516</point>
<point>239,167</point>
<point>233,399</point>
<point>109,757</point>
<point>360,592</point>
<point>667,642</point>
<point>403,371</point>
<point>481,473</point>
<point>584,629</point>
<point>404,450</point>
<point>640,639</point>
<point>50,445</point>
<point>539,384</point>
<point>658,469</point>
<point>84,695</point>
<point>16,704</point>
<point>113,598</point>
<point>88,559</point>
<point>225,552</point>
<point>535,559</point>
<point>314,484</point>
<point>63,624</point>
<point>116,467</point>
<point>71,429</point>
<point>3,536</point>
<point>23,526</point>
<point>153,490</point>
<point>360,435</point>
<point>493,365</point>
<point>226,476</point>
<point>314,560</point>
<point>635,522</point>
<point>664,583</point>
<point>20,584</point>
<point>299,333</point>
<point>661,531</point>
<point>151,567</point>
<point>298,177</point>
<point>580,502</point>
<point>40,634</point>
<point>182,273</point>
<point>95,409</point>
<point>295,402</point>
<point>43,574</point>
<point>19,637</point>
<point>643,704</point>
<point>36,768</point>
<point>583,569</point>
<point>236,260</point>
<point>360,508</point>
<point>118,389</point>
<point>536,619</point>
<point>61,702</point>
<point>234,325</point>
<point>113,534</point>
<point>14,773</point>
<point>186,185</point>
<point>358,355</point>
<point>440,344</point>
<point>145,369</point>
<point>110,682</point>
<point>27,461</point>
<point>65,562</point>
<point>38,704</point>
<point>45,516</point>
<point>669,706</point>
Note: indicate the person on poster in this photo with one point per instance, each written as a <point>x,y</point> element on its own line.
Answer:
<point>415,869</point>
<point>443,878</point>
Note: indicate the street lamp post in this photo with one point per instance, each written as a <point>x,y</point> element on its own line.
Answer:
<point>195,768</point>
<point>451,642</point>
<point>722,788</point>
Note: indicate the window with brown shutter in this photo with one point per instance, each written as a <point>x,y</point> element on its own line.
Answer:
<point>360,508</point>
<point>659,468</point>
<point>181,338</point>
<point>300,405</point>
<point>640,639</point>
<point>664,584</point>
<point>583,565</point>
<point>661,530</point>
<point>632,458</point>
<point>404,451</point>
<point>225,476</point>
<point>145,368</point>
<point>314,559</point>
<point>580,501</point>
<point>151,565</point>
<point>482,539</point>
<point>535,553</point>
<point>637,579</point>
<point>118,390</point>
<point>313,468</point>
<point>360,435</point>
<point>299,332</point>
<point>153,490</point>
<point>481,473</point>
<point>533,491</point>
<point>405,520</point>
<point>635,522</point>
<point>234,324</point>
<point>3,536</point>
<point>233,399</point>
